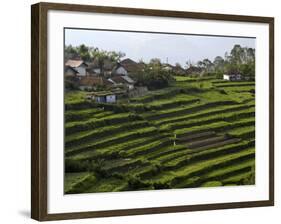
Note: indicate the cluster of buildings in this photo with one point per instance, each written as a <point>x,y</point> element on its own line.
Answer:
<point>89,75</point>
<point>104,83</point>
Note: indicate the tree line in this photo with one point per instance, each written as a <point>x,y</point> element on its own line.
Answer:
<point>239,60</point>
<point>89,54</point>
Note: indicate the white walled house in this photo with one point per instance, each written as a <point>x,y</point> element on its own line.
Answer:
<point>111,98</point>
<point>70,72</point>
<point>126,67</point>
<point>79,65</point>
<point>232,77</point>
<point>103,97</point>
<point>226,77</point>
<point>120,70</point>
<point>123,79</point>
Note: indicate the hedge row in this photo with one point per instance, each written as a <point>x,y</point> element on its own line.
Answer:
<point>222,126</point>
<point>208,120</point>
<point>79,105</point>
<point>205,178</point>
<point>80,115</point>
<point>162,94</point>
<point>198,136</point>
<point>216,164</point>
<point>187,110</point>
<point>73,127</point>
<point>114,140</point>
<point>154,146</point>
<point>82,185</point>
<point>103,132</point>
<point>117,150</point>
<point>208,154</point>
<point>204,113</point>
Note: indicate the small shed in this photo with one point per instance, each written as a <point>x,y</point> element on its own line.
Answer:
<point>103,97</point>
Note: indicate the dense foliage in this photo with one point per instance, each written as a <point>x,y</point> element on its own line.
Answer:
<point>239,60</point>
<point>154,77</point>
<point>90,54</point>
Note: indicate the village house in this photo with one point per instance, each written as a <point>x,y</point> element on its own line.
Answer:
<point>126,67</point>
<point>91,82</point>
<point>108,67</point>
<point>106,96</point>
<point>78,65</point>
<point>168,67</point>
<point>178,70</point>
<point>94,68</point>
<point>123,79</point>
<point>232,77</point>
<point>69,71</point>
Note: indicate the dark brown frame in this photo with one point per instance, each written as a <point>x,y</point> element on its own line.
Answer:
<point>39,110</point>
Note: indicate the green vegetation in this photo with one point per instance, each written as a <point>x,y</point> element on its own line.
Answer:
<point>154,76</point>
<point>194,132</point>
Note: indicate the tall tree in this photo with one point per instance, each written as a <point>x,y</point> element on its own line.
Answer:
<point>207,65</point>
<point>200,64</point>
<point>218,64</point>
<point>84,52</point>
<point>70,52</point>
<point>101,56</point>
<point>155,61</point>
<point>237,55</point>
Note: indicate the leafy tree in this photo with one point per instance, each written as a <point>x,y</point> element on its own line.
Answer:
<point>200,64</point>
<point>248,70</point>
<point>207,64</point>
<point>250,55</point>
<point>84,53</point>
<point>154,77</point>
<point>155,62</point>
<point>188,64</point>
<point>101,56</point>
<point>240,60</point>
<point>90,53</point>
<point>237,55</point>
<point>218,64</point>
<point>70,52</point>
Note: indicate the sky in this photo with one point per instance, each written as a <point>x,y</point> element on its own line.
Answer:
<point>169,48</point>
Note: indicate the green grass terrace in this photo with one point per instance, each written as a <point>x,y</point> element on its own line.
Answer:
<point>200,132</point>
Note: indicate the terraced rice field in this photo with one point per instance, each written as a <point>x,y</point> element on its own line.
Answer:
<point>197,133</point>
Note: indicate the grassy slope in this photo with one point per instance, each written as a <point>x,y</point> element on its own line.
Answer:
<point>135,149</point>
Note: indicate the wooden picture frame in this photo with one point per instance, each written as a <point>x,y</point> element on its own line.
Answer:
<point>39,108</point>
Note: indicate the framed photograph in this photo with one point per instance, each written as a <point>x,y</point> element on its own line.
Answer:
<point>139,111</point>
